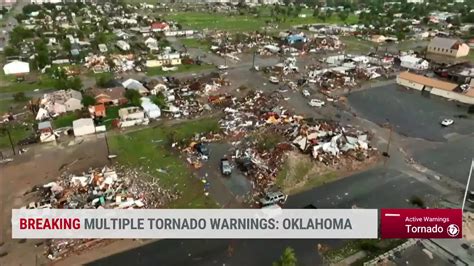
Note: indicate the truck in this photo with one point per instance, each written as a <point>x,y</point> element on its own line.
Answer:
<point>226,169</point>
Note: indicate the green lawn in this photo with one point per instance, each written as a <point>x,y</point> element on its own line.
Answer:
<point>356,45</point>
<point>196,43</point>
<point>17,133</point>
<point>158,71</point>
<point>6,104</point>
<point>65,120</point>
<point>221,21</point>
<point>8,84</point>
<point>150,149</point>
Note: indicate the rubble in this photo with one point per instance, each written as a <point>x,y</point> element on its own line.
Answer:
<point>110,187</point>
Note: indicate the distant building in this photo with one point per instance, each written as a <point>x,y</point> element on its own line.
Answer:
<point>436,87</point>
<point>7,3</point>
<point>448,47</point>
<point>416,1</point>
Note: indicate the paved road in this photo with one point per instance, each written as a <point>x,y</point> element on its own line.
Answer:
<point>410,113</point>
<point>372,189</point>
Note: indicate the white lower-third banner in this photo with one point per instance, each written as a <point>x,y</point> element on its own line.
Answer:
<point>195,223</point>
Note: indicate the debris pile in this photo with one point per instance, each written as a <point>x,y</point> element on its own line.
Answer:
<point>327,141</point>
<point>262,132</point>
<point>104,188</point>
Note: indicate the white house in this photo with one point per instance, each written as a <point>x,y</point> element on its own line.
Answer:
<point>132,84</point>
<point>413,62</point>
<point>16,67</point>
<point>152,110</point>
<point>152,44</point>
<point>123,45</point>
<point>83,126</point>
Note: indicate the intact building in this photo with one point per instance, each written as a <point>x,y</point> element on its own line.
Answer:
<point>436,87</point>
<point>448,47</point>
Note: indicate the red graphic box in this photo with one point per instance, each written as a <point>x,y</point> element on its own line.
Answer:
<point>421,223</point>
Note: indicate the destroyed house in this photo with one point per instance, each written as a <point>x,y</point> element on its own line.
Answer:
<point>108,96</point>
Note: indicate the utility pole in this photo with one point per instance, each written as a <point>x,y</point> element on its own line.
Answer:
<point>107,144</point>
<point>253,60</point>
<point>5,129</point>
<point>467,185</point>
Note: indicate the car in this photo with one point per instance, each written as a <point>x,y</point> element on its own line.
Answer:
<point>470,196</point>
<point>226,169</point>
<point>316,103</point>
<point>222,67</point>
<point>273,198</point>
<point>447,122</point>
<point>202,149</point>
<point>465,246</point>
<point>274,80</point>
<point>306,93</point>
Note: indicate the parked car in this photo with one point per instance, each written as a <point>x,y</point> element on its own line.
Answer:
<point>203,149</point>
<point>274,80</point>
<point>447,122</point>
<point>273,198</point>
<point>226,169</point>
<point>222,67</point>
<point>306,93</point>
<point>316,103</point>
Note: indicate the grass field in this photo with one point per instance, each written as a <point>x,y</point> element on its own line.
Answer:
<point>65,120</point>
<point>219,21</point>
<point>17,133</point>
<point>150,149</point>
<point>158,71</point>
<point>356,45</point>
<point>196,43</point>
<point>7,84</point>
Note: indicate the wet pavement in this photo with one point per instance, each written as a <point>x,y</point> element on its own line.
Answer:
<point>375,188</point>
<point>452,159</point>
<point>237,184</point>
<point>410,113</point>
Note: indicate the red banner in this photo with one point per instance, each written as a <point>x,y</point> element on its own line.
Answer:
<point>421,223</point>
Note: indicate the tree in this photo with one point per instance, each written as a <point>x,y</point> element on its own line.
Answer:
<point>88,100</point>
<point>20,97</point>
<point>133,97</point>
<point>31,8</point>
<point>316,12</point>
<point>417,201</point>
<point>400,35</point>
<point>288,258</point>
<point>75,83</point>
<point>343,16</point>
<point>103,80</point>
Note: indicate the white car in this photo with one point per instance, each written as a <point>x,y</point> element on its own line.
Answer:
<point>222,67</point>
<point>316,103</point>
<point>447,122</point>
<point>274,80</point>
<point>306,93</point>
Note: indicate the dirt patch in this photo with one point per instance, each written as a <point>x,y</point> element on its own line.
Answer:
<point>40,164</point>
<point>300,172</point>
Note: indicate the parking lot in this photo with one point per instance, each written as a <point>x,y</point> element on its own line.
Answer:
<point>410,113</point>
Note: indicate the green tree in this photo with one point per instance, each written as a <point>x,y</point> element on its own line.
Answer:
<point>133,97</point>
<point>316,12</point>
<point>88,100</point>
<point>288,258</point>
<point>31,8</point>
<point>20,97</point>
<point>75,83</point>
<point>343,16</point>
<point>103,80</point>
